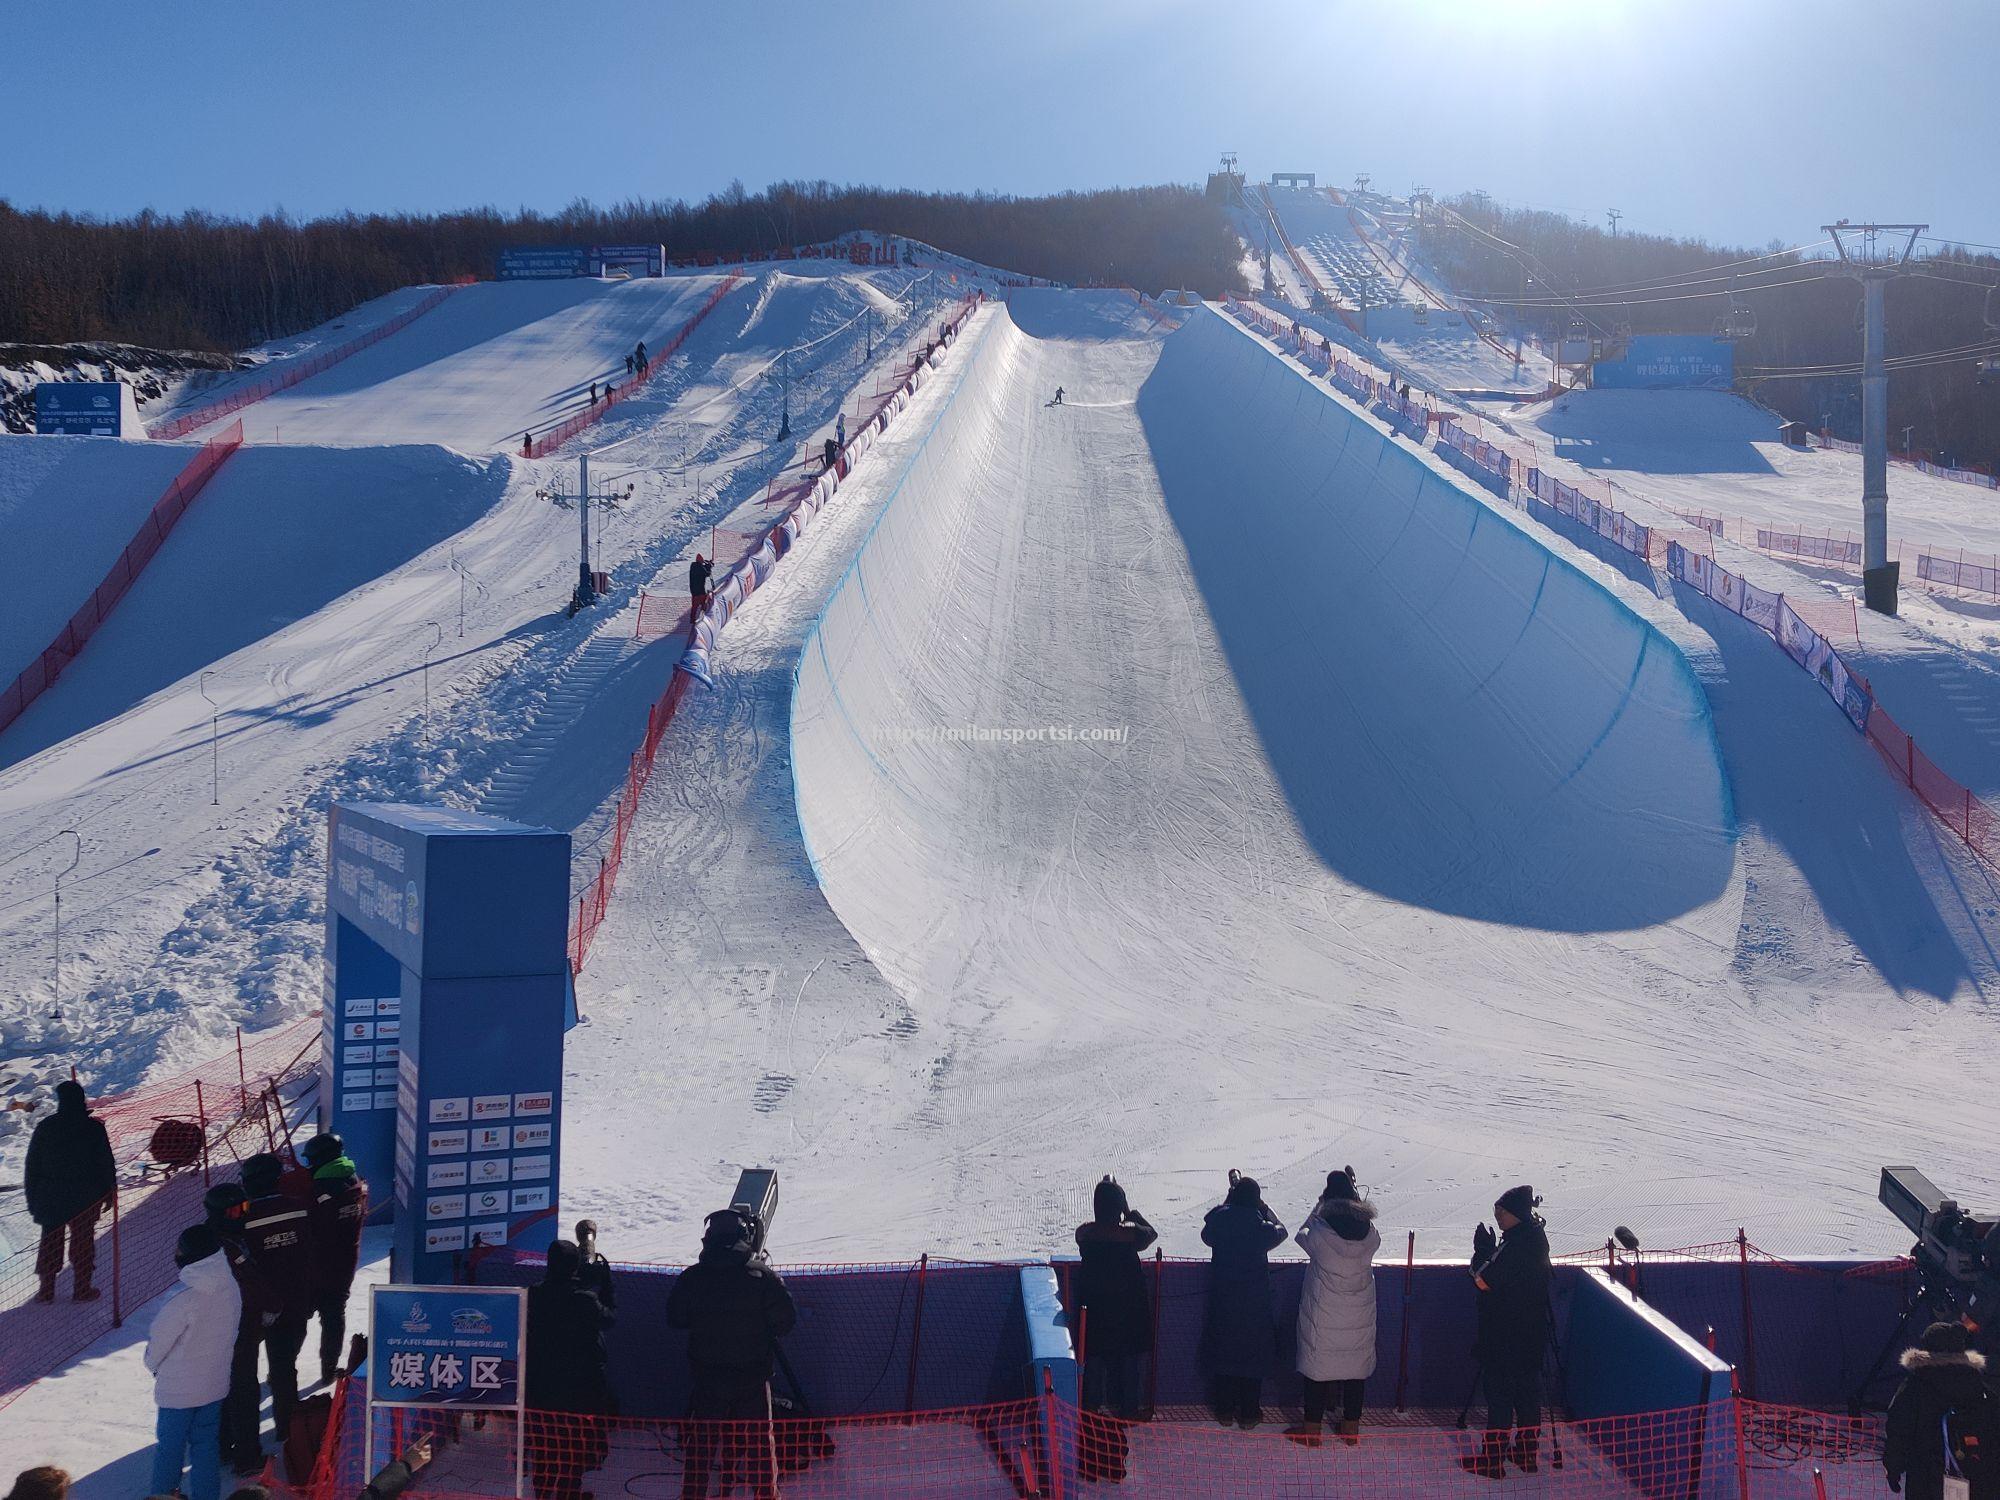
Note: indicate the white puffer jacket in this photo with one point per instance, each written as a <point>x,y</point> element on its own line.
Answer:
<point>193,1335</point>
<point>1337,1304</point>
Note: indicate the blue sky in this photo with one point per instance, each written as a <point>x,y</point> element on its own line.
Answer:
<point>1739,122</point>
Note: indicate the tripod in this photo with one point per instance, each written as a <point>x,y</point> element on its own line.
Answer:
<point>1933,1297</point>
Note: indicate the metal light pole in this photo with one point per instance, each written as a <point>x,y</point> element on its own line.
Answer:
<point>785,422</point>
<point>214,755</point>
<point>55,1009</point>
<point>1874,254</point>
<point>436,642</point>
<point>586,588</point>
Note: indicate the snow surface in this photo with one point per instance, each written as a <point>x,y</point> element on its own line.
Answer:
<point>68,506</point>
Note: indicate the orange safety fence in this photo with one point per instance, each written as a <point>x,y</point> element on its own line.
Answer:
<point>1940,568</point>
<point>291,372</point>
<point>40,674</point>
<point>541,445</point>
<point>168,1140</point>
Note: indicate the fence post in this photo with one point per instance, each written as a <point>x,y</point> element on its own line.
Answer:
<point>1409,1296</point>
<point>242,1083</point>
<point>1749,1334</point>
<point>916,1333</point>
<point>1053,1458</point>
<point>1153,1359</point>
<point>1742,1456</point>
<point>201,1113</point>
<point>117,1267</point>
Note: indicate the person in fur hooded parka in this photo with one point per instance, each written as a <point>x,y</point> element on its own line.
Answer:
<point>1337,1307</point>
<point>1944,1375</point>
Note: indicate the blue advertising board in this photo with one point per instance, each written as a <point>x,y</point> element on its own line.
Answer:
<point>79,408</point>
<point>1670,361</point>
<point>447,995</point>
<point>546,262</point>
<point>446,1345</point>
<point>652,257</point>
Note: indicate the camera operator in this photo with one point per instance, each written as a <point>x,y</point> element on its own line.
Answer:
<point>735,1309</point>
<point>1114,1311</point>
<point>1943,1411</point>
<point>1511,1272</point>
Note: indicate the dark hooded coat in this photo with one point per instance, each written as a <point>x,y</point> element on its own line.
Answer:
<point>1239,1335</point>
<point>69,1165</point>
<point>1913,1439</point>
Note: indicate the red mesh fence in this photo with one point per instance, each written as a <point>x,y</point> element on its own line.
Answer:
<point>1731,1450</point>
<point>547,442</point>
<point>668,613</point>
<point>1974,820</point>
<point>292,372</point>
<point>41,673</point>
<point>168,1140</point>
<point>1960,571</point>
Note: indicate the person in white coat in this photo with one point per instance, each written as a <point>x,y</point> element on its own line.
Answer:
<point>1336,1335</point>
<point>188,1349</point>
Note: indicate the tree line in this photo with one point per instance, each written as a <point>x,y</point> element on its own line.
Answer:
<point>201,281</point>
<point>1805,316</point>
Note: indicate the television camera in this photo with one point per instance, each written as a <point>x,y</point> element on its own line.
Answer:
<point>1957,1257</point>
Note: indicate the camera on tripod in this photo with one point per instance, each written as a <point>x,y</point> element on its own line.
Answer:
<point>1957,1253</point>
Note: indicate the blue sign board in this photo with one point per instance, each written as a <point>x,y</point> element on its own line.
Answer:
<point>446,1345</point>
<point>546,262</point>
<point>447,995</point>
<point>79,408</point>
<point>1670,361</point>
<point>652,257</point>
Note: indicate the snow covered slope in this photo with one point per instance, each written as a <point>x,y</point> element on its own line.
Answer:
<point>68,506</point>
<point>438,380</point>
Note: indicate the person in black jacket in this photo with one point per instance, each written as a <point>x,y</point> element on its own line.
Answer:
<point>337,1197</point>
<point>277,1231</point>
<point>699,572</point>
<point>1114,1315</point>
<point>70,1174</point>
<point>735,1309</point>
<point>1944,1405</point>
<point>567,1380</point>
<point>1511,1273</point>
<point>1239,1337</point>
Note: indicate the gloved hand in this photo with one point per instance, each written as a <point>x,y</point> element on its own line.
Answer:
<point>1483,1243</point>
<point>1895,1484</point>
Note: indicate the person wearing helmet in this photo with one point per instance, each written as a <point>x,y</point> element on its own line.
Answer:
<point>277,1230</point>
<point>339,1209</point>
<point>734,1308</point>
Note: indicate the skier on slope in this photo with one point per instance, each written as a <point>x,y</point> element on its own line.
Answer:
<point>1058,400</point>
<point>698,576</point>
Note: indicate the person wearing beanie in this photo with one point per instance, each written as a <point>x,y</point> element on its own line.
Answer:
<point>337,1210</point>
<point>1239,1334</point>
<point>1336,1330</point>
<point>1944,1419</point>
<point>278,1234</point>
<point>1511,1274</point>
<point>734,1308</point>
<point>566,1374</point>
<point>69,1176</point>
<point>189,1350</point>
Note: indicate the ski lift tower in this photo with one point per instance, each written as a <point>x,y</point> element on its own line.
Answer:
<point>1873,254</point>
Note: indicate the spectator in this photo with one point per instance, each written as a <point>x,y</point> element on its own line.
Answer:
<point>225,1205</point>
<point>1114,1316</point>
<point>735,1309</point>
<point>188,1351</point>
<point>829,454</point>
<point>277,1232</point>
<point>1512,1277</point>
<point>1336,1335</point>
<point>45,1483</point>
<point>1239,1337</point>
<point>1943,1411</point>
<point>69,1175</point>
<point>639,356</point>
<point>628,364</point>
<point>338,1211</point>
<point>699,572</point>
<point>840,429</point>
<point>593,393</point>
<point>567,1384</point>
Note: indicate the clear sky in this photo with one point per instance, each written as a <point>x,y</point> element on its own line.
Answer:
<point>1740,122</point>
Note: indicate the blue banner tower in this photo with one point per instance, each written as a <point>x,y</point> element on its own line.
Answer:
<point>447,994</point>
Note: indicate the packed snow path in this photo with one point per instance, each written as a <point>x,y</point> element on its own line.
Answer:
<point>1368,831</point>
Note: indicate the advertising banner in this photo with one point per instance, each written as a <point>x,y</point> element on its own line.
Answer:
<point>81,408</point>
<point>1669,361</point>
<point>545,262</point>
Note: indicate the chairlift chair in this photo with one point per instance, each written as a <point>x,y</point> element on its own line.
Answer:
<point>1740,322</point>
